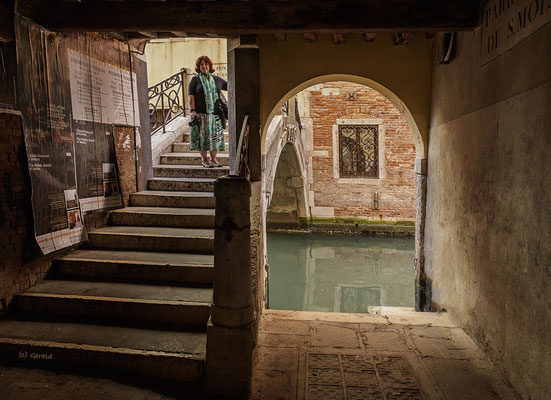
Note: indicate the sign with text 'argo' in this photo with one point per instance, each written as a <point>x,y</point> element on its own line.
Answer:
<point>505,23</point>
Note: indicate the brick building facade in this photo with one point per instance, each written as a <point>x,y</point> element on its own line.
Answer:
<point>391,195</point>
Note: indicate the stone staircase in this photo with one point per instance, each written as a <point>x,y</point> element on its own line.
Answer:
<point>137,299</point>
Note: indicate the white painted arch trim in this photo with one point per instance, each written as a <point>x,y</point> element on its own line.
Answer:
<point>399,104</point>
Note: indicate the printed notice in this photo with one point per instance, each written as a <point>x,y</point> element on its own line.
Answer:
<point>506,23</point>
<point>102,92</point>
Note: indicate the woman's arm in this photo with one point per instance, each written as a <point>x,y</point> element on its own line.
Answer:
<point>221,84</point>
<point>192,90</point>
<point>192,106</point>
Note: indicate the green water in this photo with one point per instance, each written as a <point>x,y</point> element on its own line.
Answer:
<point>331,273</point>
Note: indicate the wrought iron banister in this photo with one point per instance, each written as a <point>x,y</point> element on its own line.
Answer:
<point>167,101</point>
<point>242,153</point>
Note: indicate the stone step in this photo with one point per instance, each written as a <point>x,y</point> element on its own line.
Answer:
<point>180,240</point>
<point>163,216</point>
<point>151,198</point>
<point>182,184</point>
<point>190,159</point>
<point>170,307</point>
<point>168,355</point>
<point>184,148</point>
<point>189,171</point>
<point>135,266</point>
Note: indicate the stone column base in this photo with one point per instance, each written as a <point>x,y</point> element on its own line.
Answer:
<point>229,360</point>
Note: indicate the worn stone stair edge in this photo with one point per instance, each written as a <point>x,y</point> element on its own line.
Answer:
<point>182,194</point>
<point>179,211</point>
<point>183,179</point>
<point>149,235</point>
<point>133,262</point>
<point>115,299</point>
<point>91,347</point>
<point>180,154</point>
<point>183,367</point>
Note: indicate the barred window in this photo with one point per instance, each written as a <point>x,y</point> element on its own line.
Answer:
<point>359,151</point>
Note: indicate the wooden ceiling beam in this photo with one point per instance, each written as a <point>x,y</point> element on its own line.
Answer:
<point>260,16</point>
<point>339,38</point>
<point>280,37</point>
<point>369,37</point>
<point>150,35</point>
<point>309,38</point>
<point>402,38</point>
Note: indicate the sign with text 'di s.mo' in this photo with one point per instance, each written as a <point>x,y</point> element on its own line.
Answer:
<point>505,23</point>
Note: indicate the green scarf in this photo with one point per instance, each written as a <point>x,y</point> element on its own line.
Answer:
<point>209,87</point>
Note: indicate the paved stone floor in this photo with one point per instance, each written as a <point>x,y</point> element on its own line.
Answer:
<point>405,355</point>
<point>317,356</point>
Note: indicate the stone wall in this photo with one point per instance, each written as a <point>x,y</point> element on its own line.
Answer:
<point>488,236</point>
<point>331,196</point>
<point>22,264</point>
<point>287,203</point>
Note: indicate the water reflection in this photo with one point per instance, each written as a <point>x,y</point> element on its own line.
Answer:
<point>320,272</point>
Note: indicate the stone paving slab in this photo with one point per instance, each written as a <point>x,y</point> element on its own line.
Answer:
<point>397,354</point>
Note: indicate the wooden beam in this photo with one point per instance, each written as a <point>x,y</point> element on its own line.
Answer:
<point>402,38</point>
<point>369,37</point>
<point>309,38</point>
<point>179,34</point>
<point>150,35</point>
<point>118,36</point>
<point>260,16</point>
<point>339,38</point>
<point>280,37</point>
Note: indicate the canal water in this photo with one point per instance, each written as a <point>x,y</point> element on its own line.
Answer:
<point>334,273</point>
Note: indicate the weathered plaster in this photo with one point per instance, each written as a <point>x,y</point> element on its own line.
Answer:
<point>488,237</point>
<point>401,73</point>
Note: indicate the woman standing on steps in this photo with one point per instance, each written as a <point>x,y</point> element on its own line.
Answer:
<point>207,134</point>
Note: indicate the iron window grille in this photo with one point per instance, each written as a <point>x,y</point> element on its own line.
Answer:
<point>359,151</point>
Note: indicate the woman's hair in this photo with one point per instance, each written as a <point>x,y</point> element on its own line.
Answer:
<point>205,59</point>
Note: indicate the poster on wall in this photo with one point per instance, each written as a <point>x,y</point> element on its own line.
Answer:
<point>73,89</point>
<point>8,74</point>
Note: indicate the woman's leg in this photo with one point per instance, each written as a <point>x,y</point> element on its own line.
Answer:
<point>213,157</point>
<point>204,157</point>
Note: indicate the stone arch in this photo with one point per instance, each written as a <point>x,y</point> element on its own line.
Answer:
<point>285,173</point>
<point>420,145</point>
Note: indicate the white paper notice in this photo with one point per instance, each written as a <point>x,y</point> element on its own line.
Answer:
<point>102,92</point>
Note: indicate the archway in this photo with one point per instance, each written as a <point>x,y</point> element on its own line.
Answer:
<point>398,103</point>
<point>420,165</point>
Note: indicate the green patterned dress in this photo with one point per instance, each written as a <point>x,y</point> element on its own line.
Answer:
<point>209,136</point>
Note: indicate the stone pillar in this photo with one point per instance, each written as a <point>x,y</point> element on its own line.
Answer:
<point>422,286</point>
<point>244,98</point>
<point>230,332</point>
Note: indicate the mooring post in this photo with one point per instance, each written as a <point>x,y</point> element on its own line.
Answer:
<point>422,286</point>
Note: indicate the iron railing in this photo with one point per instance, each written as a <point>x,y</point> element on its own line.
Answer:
<point>167,101</point>
<point>242,153</point>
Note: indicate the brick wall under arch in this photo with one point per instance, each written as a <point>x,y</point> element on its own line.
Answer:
<point>322,106</point>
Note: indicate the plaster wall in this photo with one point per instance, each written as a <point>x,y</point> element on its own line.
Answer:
<point>165,57</point>
<point>400,73</point>
<point>488,237</point>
